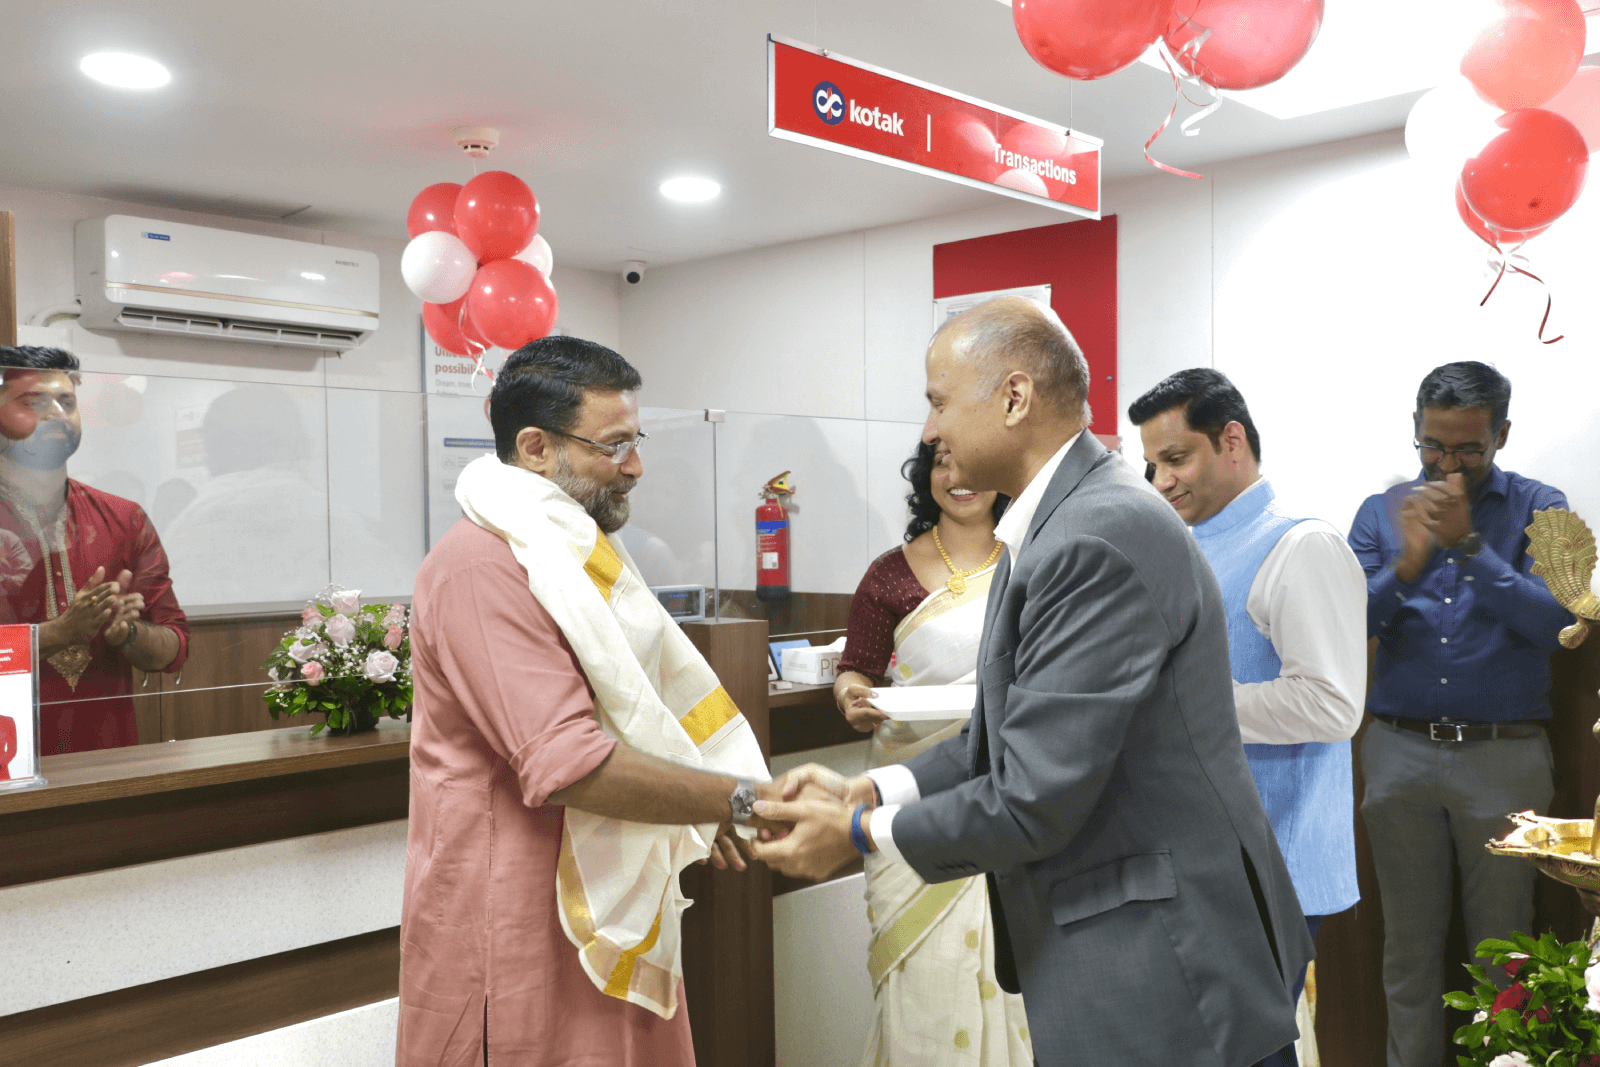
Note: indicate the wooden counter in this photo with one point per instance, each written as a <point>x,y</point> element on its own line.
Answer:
<point>117,807</point>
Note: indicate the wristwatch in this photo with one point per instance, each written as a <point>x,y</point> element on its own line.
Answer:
<point>133,635</point>
<point>742,802</point>
<point>1469,545</point>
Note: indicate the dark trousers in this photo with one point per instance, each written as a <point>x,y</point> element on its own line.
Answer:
<point>1285,1056</point>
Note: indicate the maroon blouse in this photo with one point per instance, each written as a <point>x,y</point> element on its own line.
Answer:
<point>888,593</point>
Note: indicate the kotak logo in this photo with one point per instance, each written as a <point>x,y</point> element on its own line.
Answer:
<point>829,103</point>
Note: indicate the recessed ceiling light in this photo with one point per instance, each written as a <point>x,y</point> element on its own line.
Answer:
<point>124,71</point>
<point>690,190</point>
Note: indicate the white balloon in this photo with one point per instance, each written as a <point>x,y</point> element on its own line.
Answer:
<point>538,255</point>
<point>437,267</point>
<point>1448,126</point>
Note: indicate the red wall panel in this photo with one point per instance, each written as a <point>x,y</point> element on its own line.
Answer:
<point>1078,260</point>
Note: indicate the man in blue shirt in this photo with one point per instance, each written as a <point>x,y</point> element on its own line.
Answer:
<point>1461,693</point>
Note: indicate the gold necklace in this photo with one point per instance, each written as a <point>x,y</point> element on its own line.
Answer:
<point>958,579</point>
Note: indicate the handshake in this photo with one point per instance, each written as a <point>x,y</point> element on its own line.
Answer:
<point>803,824</point>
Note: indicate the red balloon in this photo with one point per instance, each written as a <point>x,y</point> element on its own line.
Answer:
<point>452,330</point>
<point>1089,39</point>
<point>433,209</point>
<point>496,215</point>
<point>1579,104</point>
<point>1251,42</point>
<point>1493,238</point>
<point>965,144</point>
<point>511,303</point>
<point>1528,54</point>
<point>1528,176</point>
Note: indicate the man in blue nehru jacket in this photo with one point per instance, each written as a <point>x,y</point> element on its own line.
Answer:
<point>1293,593</point>
<point>1460,695</point>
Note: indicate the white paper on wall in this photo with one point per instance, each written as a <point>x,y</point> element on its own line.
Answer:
<point>946,308</point>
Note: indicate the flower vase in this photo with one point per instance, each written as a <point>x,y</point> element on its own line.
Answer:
<point>359,721</point>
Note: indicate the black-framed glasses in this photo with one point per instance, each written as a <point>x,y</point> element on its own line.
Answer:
<point>1432,454</point>
<point>618,452</point>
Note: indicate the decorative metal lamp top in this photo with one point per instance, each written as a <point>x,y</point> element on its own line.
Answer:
<point>1563,553</point>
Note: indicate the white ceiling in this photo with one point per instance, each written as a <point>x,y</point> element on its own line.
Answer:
<point>347,106</point>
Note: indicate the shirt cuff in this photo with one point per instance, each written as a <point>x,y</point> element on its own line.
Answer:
<point>881,826</point>
<point>1487,564</point>
<point>896,784</point>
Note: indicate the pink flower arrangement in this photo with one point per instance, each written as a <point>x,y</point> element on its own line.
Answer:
<point>349,662</point>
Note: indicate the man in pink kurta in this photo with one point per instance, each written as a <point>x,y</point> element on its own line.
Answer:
<point>505,737</point>
<point>504,718</point>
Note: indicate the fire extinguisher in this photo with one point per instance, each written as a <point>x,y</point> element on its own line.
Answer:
<point>772,541</point>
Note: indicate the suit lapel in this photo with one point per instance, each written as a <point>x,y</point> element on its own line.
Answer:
<point>976,743</point>
<point>1081,458</point>
<point>1078,462</point>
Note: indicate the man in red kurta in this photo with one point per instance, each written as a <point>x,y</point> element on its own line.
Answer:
<point>84,565</point>
<point>504,736</point>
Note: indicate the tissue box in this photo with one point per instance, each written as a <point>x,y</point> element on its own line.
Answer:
<point>818,665</point>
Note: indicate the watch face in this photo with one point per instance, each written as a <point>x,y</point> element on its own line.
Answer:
<point>743,801</point>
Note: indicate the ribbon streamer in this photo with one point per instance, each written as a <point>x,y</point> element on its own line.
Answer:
<point>1188,51</point>
<point>1506,256</point>
<point>477,357</point>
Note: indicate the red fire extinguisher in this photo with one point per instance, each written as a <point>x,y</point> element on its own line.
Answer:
<point>772,541</point>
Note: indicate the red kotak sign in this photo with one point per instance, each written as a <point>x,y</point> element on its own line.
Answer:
<point>849,107</point>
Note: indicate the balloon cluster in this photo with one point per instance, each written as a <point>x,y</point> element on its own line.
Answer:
<point>1514,132</point>
<point>478,263</point>
<point>1217,44</point>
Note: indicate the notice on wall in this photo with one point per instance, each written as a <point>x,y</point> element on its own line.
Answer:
<point>19,708</point>
<point>948,307</point>
<point>827,101</point>
<point>458,433</point>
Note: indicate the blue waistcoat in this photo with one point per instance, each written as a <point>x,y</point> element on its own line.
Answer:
<point>1306,788</point>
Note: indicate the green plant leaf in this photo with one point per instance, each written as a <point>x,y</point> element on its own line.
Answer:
<point>1461,1001</point>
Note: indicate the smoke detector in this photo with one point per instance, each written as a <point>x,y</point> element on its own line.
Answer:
<point>476,141</point>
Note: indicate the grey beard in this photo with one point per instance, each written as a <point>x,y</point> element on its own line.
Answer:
<point>609,513</point>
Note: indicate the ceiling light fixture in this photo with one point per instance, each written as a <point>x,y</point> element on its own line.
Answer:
<point>687,190</point>
<point>122,70</point>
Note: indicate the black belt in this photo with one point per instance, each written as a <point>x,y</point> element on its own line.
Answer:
<point>1457,731</point>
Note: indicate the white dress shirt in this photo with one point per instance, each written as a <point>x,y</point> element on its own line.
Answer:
<point>1310,600</point>
<point>896,784</point>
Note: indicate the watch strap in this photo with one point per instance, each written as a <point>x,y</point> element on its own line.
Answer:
<point>133,636</point>
<point>741,802</point>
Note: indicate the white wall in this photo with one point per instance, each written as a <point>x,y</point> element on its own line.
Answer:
<point>815,351</point>
<point>1326,282</point>
<point>347,505</point>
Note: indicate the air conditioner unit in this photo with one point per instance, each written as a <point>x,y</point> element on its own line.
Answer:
<point>167,277</point>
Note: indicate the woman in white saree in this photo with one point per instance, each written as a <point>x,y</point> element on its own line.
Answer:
<point>932,953</point>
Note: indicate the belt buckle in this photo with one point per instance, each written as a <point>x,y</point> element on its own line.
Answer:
<point>1434,735</point>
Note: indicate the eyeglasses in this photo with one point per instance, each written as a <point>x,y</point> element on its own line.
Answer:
<point>1467,457</point>
<point>618,451</point>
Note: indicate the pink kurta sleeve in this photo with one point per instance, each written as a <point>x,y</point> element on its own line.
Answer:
<point>516,678</point>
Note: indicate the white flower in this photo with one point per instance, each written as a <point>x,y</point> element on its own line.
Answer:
<point>380,666</point>
<point>341,630</point>
<point>300,651</point>
<point>1510,1059</point>
<point>347,602</point>
<point>1592,980</point>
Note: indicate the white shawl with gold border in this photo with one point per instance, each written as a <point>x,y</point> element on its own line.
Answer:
<point>617,882</point>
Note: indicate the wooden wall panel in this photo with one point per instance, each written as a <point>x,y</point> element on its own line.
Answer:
<point>727,935</point>
<point>219,691</point>
<point>56,842</point>
<point>178,1015</point>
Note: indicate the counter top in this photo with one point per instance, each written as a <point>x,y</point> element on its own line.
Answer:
<point>114,773</point>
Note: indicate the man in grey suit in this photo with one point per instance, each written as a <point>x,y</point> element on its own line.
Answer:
<point>1140,902</point>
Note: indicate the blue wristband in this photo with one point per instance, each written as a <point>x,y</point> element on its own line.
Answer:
<point>858,836</point>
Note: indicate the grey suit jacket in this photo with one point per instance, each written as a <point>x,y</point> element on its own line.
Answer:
<point>1102,782</point>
